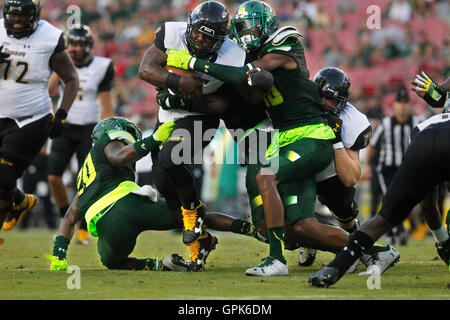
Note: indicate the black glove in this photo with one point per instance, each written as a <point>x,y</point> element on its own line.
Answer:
<point>3,55</point>
<point>168,101</point>
<point>262,79</point>
<point>335,123</point>
<point>56,126</point>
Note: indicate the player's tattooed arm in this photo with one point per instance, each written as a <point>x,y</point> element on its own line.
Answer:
<point>121,154</point>
<point>152,70</point>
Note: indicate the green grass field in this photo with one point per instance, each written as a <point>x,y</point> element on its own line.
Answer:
<point>24,273</point>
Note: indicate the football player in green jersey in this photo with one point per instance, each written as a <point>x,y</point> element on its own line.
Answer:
<point>117,210</point>
<point>301,147</point>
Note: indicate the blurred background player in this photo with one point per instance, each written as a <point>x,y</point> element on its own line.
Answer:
<point>392,134</point>
<point>31,48</point>
<point>93,102</point>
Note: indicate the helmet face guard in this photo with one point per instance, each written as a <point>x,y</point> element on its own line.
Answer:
<point>253,23</point>
<point>21,17</point>
<point>212,20</point>
<point>334,85</point>
<point>116,124</point>
<point>81,35</point>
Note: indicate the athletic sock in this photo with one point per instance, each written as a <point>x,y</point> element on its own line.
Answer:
<point>147,264</point>
<point>440,235</point>
<point>241,226</point>
<point>19,196</point>
<point>276,243</point>
<point>63,210</point>
<point>358,243</point>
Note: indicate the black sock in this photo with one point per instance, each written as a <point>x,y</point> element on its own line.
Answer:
<point>19,196</point>
<point>63,210</point>
<point>358,243</point>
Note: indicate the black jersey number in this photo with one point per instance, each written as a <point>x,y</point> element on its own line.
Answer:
<point>21,64</point>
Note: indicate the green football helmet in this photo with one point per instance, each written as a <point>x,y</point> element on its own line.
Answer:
<point>252,24</point>
<point>116,124</point>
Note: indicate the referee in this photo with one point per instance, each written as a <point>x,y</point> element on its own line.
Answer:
<point>392,136</point>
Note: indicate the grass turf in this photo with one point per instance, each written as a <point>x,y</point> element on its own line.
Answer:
<point>24,273</point>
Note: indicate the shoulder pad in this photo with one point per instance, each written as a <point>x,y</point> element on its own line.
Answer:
<point>282,34</point>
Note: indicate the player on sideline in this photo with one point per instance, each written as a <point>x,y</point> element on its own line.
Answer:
<point>204,36</point>
<point>30,49</point>
<point>96,75</point>
<point>425,165</point>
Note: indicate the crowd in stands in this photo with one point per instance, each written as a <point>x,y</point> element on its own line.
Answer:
<point>410,36</point>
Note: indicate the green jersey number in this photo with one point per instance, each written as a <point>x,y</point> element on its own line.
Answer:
<point>273,98</point>
<point>86,175</point>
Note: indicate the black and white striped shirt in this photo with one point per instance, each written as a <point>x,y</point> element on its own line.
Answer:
<point>393,138</point>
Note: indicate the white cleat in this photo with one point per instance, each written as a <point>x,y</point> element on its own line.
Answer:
<point>174,262</point>
<point>380,261</point>
<point>269,268</point>
<point>306,256</point>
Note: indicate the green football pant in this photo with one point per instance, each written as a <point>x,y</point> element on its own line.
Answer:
<point>119,228</point>
<point>297,165</point>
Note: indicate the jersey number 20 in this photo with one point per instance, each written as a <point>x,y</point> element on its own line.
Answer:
<point>86,175</point>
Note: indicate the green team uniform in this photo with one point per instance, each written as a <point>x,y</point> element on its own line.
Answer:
<point>302,146</point>
<point>111,210</point>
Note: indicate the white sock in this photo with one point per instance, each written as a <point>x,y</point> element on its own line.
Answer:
<point>440,235</point>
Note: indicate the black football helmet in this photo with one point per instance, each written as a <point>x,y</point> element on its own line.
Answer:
<point>334,84</point>
<point>212,19</point>
<point>81,34</point>
<point>21,17</point>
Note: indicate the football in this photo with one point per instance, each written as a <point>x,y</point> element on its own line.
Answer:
<point>178,71</point>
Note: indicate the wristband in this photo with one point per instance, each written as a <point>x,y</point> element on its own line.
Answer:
<point>338,145</point>
<point>144,146</point>
<point>191,63</point>
<point>60,247</point>
<point>173,81</point>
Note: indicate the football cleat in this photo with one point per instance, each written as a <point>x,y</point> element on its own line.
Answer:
<point>174,262</point>
<point>380,260</point>
<point>443,250</point>
<point>82,237</point>
<point>193,223</point>
<point>269,268</point>
<point>18,211</point>
<point>200,250</point>
<point>306,256</point>
<point>324,278</point>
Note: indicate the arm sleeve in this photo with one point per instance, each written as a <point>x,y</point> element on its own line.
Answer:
<point>232,75</point>
<point>108,80</point>
<point>363,139</point>
<point>159,37</point>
